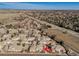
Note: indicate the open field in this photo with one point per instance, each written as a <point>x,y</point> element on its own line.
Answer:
<point>68,19</point>
<point>23,32</point>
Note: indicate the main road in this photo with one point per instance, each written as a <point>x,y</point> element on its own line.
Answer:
<point>70,38</point>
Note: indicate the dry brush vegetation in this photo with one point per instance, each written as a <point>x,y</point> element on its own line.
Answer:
<point>68,19</point>
<point>22,33</point>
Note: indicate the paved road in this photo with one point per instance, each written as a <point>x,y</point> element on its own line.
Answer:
<point>71,39</point>
<point>56,27</point>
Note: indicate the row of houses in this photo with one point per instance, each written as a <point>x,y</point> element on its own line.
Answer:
<point>31,38</point>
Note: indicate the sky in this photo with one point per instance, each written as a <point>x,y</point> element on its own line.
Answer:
<point>40,5</point>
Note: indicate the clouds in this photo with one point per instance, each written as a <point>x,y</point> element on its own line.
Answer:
<point>39,5</point>
<point>17,5</point>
